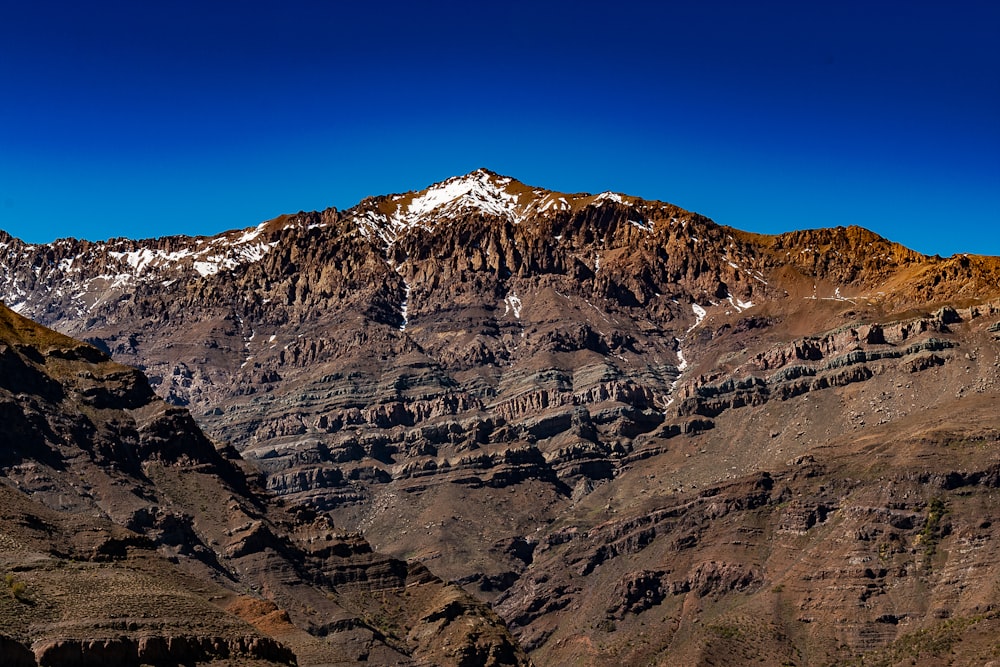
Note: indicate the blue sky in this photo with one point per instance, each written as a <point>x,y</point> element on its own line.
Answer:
<point>146,119</point>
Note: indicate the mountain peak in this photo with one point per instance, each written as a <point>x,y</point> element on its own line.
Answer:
<point>482,192</point>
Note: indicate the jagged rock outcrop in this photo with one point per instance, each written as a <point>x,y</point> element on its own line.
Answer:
<point>158,651</point>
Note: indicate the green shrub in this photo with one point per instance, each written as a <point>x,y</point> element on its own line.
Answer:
<point>20,591</point>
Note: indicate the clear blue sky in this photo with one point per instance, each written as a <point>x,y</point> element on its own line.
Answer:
<point>153,118</point>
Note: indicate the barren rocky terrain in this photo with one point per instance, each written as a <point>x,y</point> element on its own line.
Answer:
<point>626,433</point>
<point>127,538</point>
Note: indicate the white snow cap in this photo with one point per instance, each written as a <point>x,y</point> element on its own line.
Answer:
<point>480,190</point>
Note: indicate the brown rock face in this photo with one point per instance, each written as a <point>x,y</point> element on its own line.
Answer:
<point>595,411</point>
<point>126,536</point>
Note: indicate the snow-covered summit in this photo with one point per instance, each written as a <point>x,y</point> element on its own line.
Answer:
<point>481,191</point>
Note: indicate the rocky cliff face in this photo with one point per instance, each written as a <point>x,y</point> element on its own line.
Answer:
<point>128,538</point>
<point>473,374</point>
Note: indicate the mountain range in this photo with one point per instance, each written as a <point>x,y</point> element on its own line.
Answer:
<point>484,423</point>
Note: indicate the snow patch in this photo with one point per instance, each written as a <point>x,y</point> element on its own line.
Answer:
<point>682,365</point>
<point>513,303</point>
<point>206,269</point>
<point>738,304</point>
<point>837,296</point>
<point>609,196</point>
<point>251,234</point>
<point>553,203</point>
<point>699,315</point>
<point>404,306</point>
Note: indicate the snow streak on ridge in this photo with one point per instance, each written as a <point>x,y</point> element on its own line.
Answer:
<point>87,274</point>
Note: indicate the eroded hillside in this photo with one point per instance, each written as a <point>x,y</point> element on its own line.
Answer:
<point>607,416</point>
<point>128,538</point>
